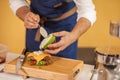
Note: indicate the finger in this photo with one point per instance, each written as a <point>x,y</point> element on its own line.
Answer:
<point>62,33</point>
<point>29,25</point>
<point>55,45</point>
<point>54,51</point>
<point>35,18</point>
<point>38,18</point>
<point>30,19</point>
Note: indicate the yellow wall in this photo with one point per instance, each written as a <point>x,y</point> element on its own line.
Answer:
<point>12,30</point>
<point>98,34</point>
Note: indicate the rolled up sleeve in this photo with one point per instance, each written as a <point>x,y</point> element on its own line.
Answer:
<point>86,9</point>
<point>16,4</point>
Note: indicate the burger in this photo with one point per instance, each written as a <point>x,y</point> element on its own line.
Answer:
<point>39,58</point>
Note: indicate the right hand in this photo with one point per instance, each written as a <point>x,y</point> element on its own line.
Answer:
<point>31,20</point>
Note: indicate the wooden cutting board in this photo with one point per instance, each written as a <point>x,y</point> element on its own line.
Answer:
<point>61,69</point>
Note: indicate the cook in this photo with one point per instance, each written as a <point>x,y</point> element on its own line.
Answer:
<point>67,19</point>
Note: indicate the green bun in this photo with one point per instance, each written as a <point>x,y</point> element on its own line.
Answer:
<point>48,40</point>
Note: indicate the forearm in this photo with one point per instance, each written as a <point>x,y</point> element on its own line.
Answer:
<point>22,11</point>
<point>81,27</point>
<point>19,7</point>
<point>86,17</point>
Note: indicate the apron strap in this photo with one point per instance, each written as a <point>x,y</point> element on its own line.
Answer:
<point>65,15</point>
<point>68,1</point>
<point>38,35</point>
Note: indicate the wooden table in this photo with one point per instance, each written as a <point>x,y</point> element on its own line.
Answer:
<point>84,75</point>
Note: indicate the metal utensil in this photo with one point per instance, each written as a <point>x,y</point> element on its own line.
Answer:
<point>43,32</point>
<point>20,60</point>
<point>94,72</point>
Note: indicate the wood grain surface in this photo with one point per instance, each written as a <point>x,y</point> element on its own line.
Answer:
<point>60,69</point>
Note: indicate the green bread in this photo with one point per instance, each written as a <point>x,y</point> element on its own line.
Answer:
<point>48,40</point>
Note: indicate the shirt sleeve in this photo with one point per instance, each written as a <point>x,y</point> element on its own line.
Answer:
<point>16,4</point>
<point>86,9</point>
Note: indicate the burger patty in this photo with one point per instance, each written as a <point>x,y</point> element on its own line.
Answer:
<point>45,61</point>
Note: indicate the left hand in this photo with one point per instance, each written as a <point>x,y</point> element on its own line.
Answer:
<point>67,38</point>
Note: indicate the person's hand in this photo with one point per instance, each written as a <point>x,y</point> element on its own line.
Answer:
<point>31,20</point>
<point>67,38</point>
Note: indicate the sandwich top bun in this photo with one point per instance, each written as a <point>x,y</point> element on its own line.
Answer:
<point>38,55</point>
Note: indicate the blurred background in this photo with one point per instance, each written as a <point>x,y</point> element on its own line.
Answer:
<point>12,31</point>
